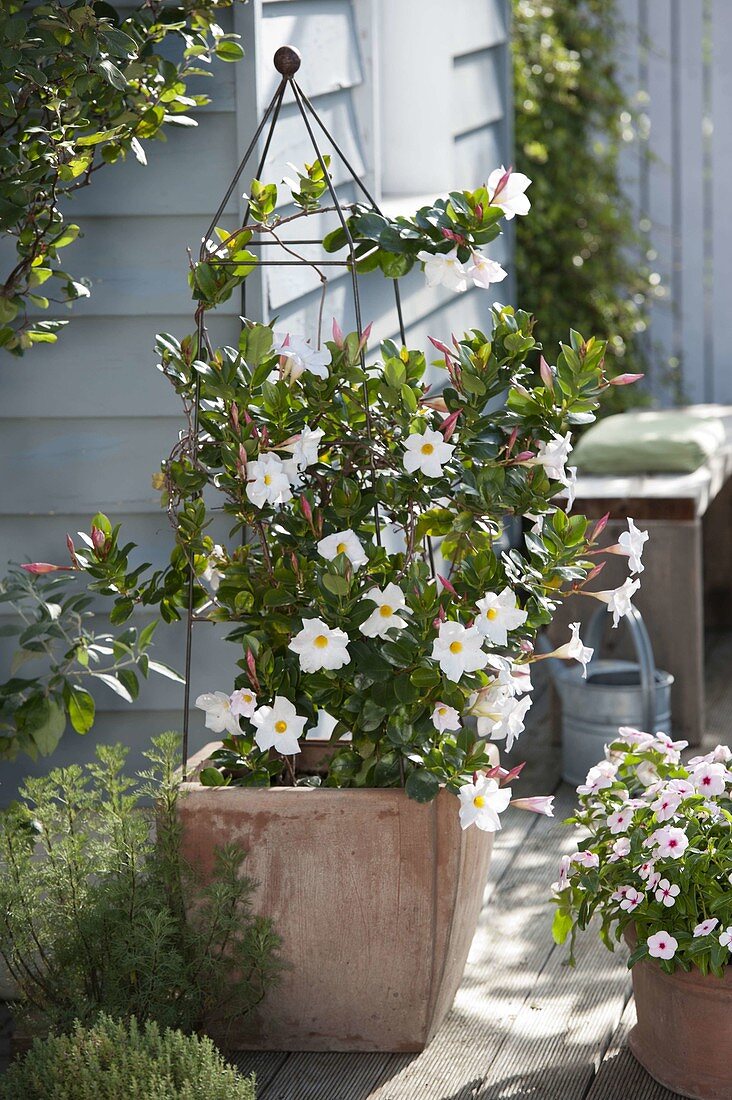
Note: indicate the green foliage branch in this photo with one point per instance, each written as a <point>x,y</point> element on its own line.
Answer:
<point>82,85</point>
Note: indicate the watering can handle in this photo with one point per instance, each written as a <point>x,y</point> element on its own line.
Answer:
<point>644,653</point>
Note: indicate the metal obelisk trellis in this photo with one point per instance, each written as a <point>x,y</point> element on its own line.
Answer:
<point>287,62</point>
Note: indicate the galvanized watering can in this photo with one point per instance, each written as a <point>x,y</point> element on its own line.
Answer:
<point>615,693</point>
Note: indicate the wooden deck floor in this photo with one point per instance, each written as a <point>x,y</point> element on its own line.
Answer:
<point>523,1023</point>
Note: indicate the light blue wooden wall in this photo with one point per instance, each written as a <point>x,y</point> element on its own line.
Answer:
<point>677,71</point>
<point>83,425</point>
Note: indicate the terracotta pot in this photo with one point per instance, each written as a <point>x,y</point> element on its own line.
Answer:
<point>684,1032</point>
<point>376,898</point>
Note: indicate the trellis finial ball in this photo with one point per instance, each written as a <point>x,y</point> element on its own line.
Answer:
<point>287,60</point>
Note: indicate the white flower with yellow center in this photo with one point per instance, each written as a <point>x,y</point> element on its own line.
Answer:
<point>304,451</point>
<point>481,803</point>
<point>267,481</point>
<point>320,646</point>
<point>278,727</point>
<point>343,542</point>
<point>458,649</point>
<point>212,575</point>
<point>512,721</point>
<point>499,613</point>
<point>484,271</point>
<point>445,718</point>
<point>427,452</point>
<point>618,600</point>
<point>444,269</point>
<point>243,702</point>
<point>389,603</point>
<point>219,715</point>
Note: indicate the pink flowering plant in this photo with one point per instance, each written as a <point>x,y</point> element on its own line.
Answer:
<point>363,576</point>
<point>655,858</point>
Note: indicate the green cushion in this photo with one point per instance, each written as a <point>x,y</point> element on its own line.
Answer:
<point>650,442</point>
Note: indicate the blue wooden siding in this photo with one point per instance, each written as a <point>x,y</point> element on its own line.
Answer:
<point>84,425</point>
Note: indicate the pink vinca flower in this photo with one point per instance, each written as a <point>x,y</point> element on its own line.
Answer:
<point>620,820</point>
<point>620,849</point>
<point>666,893</point>
<point>646,869</point>
<point>670,842</point>
<point>710,779</point>
<point>725,938</point>
<point>589,860</point>
<point>598,778</point>
<point>705,927</point>
<point>666,805</point>
<point>632,899</point>
<point>662,946</point>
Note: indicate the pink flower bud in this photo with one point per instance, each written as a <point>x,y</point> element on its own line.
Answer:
<point>39,567</point>
<point>365,337</point>
<point>450,235</point>
<point>599,527</point>
<point>440,346</point>
<point>252,670</point>
<point>447,586</point>
<point>479,211</point>
<point>502,183</point>
<point>99,539</point>
<point>625,379</point>
<point>514,773</point>
<point>441,616</point>
<point>538,804</point>
<point>511,441</point>
<point>72,552</point>
<point>338,337</point>
<point>547,376</point>
<point>447,427</point>
<point>595,572</point>
<point>524,456</point>
<point>234,415</point>
<point>526,646</point>
<point>306,509</point>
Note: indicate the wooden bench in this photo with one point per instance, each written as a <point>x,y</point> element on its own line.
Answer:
<point>687,583</point>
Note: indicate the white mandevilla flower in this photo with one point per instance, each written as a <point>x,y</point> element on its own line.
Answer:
<point>631,544</point>
<point>212,575</point>
<point>343,542</point>
<point>553,455</point>
<point>304,451</point>
<point>508,190</point>
<point>219,715</point>
<point>390,606</point>
<point>458,649</point>
<point>300,356</point>
<point>278,727</point>
<point>320,646</point>
<point>481,803</point>
<point>499,613</point>
<point>511,722</point>
<point>666,893</point>
<point>516,677</point>
<point>267,481</point>
<point>444,269</point>
<point>662,945</point>
<point>483,271</point>
<point>618,600</point>
<point>705,927</point>
<point>574,649</point>
<point>725,938</point>
<point>243,703</point>
<point>427,452</point>
<point>445,718</point>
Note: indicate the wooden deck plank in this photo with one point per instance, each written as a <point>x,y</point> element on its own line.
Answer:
<point>620,1074</point>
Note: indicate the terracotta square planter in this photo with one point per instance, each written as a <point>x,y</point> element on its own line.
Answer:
<point>376,898</point>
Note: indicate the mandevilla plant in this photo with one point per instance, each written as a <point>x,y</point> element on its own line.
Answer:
<point>363,577</point>
<point>656,854</point>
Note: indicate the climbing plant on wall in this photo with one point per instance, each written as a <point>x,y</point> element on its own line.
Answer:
<point>579,261</point>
